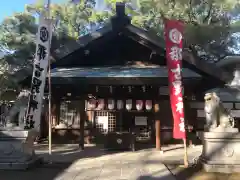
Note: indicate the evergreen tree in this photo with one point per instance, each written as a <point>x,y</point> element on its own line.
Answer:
<point>18,32</point>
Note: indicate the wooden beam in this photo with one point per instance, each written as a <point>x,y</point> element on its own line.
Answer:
<point>204,85</point>
<point>157,44</point>
<point>157,126</point>
<point>82,123</point>
<point>205,68</point>
<point>158,132</point>
<point>82,42</point>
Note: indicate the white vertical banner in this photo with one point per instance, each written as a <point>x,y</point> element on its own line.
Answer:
<point>40,70</point>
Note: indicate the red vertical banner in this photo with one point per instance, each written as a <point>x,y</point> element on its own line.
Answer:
<point>174,46</point>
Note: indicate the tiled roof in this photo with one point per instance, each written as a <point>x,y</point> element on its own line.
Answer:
<point>119,71</point>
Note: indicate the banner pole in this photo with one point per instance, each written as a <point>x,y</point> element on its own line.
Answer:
<point>185,159</point>
<point>50,113</point>
<point>49,91</point>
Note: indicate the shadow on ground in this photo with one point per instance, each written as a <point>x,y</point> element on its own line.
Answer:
<point>53,166</point>
<point>91,164</point>
<point>154,178</point>
<point>71,163</point>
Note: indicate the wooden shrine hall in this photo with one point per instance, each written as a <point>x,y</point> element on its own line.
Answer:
<point>111,86</point>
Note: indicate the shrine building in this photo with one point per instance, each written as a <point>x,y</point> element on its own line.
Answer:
<point>111,87</point>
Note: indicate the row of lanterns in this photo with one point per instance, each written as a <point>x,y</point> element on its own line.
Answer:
<point>99,104</point>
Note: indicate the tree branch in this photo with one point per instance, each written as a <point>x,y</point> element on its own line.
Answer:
<point>208,18</point>
<point>173,4</point>
<point>191,14</point>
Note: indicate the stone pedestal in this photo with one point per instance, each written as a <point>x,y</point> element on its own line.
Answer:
<point>16,149</point>
<point>221,151</point>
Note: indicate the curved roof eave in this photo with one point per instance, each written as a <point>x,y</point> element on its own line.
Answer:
<point>228,60</point>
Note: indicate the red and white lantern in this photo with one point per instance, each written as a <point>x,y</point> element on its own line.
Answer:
<point>148,105</point>
<point>139,105</point>
<point>92,104</point>
<point>128,104</point>
<point>119,104</point>
<point>100,104</point>
<point>111,104</point>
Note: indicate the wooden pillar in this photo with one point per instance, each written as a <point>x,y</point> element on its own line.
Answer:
<point>82,123</point>
<point>157,126</point>
<point>58,102</point>
<point>54,114</point>
<point>90,122</point>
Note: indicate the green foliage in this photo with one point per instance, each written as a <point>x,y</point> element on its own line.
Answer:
<point>18,31</point>
<point>18,34</point>
<point>70,19</point>
<point>207,23</point>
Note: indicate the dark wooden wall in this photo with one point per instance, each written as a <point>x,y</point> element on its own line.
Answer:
<point>116,51</point>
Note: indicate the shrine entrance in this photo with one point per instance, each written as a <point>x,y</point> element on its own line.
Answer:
<point>120,114</point>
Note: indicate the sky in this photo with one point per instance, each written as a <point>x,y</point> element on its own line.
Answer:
<point>8,7</point>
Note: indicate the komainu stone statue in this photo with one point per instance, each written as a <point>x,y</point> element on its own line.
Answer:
<point>216,115</point>
<point>221,140</point>
<point>21,102</point>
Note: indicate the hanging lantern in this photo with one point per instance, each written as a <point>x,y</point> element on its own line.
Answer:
<point>111,104</point>
<point>148,105</point>
<point>111,89</point>
<point>91,104</point>
<point>129,104</point>
<point>119,104</point>
<point>139,105</point>
<point>101,104</point>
